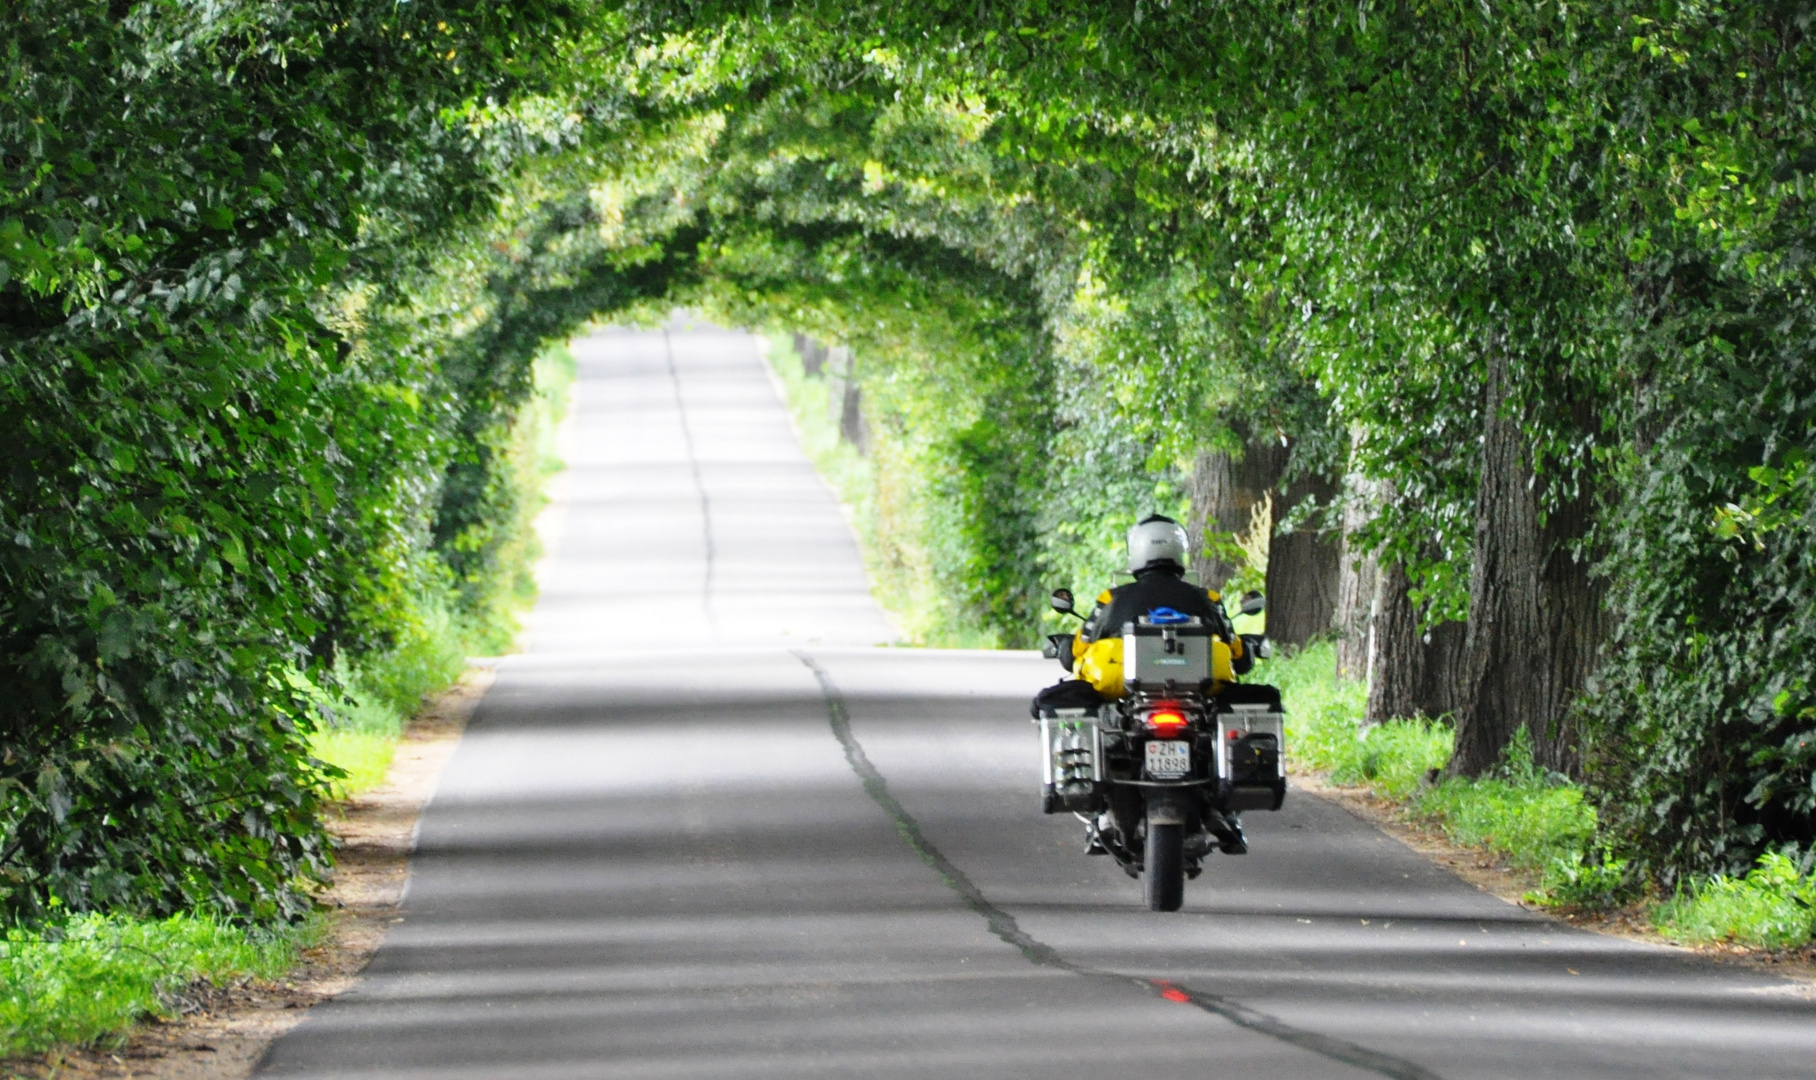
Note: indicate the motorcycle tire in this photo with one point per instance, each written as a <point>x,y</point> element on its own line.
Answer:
<point>1163,868</point>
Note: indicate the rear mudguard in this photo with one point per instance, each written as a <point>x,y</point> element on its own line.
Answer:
<point>1173,806</point>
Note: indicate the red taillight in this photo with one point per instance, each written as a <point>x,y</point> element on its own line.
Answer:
<point>1166,723</point>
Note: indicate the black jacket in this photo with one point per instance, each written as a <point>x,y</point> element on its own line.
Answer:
<point>1154,589</point>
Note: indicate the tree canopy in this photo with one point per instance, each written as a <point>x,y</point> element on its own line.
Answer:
<point>1521,292</point>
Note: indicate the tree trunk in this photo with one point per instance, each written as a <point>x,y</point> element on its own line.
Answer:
<point>1224,492</point>
<point>853,428</point>
<point>1216,506</point>
<point>1440,690</point>
<point>1536,619</point>
<point>1303,567</point>
<point>812,353</point>
<point>1357,574</point>
<point>845,396</point>
<point>1505,677</point>
<point>1412,674</point>
<point>1397,668</point>
<point>1357,571</point>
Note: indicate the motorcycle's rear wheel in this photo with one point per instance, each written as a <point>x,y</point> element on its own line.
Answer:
<point>1163,867</point>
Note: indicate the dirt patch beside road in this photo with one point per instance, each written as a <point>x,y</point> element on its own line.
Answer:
<point>224,1031</point>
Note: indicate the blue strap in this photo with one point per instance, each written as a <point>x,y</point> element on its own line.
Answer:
<point>1166,616</point>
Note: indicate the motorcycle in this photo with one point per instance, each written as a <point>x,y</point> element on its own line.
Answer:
<point>1161,776</point>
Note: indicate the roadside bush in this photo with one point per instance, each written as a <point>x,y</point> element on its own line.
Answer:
<point>433,639</point>
<point>1772,907</point>
<point>224,416</point>
<point>1585,881</point>
<point>486,545</point>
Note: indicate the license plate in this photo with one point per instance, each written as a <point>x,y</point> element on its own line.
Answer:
<point>1169,760</point>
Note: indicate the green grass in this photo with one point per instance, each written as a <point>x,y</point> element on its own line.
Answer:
<point>364,756</point>
<point>1529,821</point>
<point>88,979</point>
<point>1772,907</point>
<point>1323,712</point>
<point>1324,727</point>
<point>387,689</point>
<point>383,693</point>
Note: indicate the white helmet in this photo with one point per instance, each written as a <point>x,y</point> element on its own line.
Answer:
<point>1156,539</point>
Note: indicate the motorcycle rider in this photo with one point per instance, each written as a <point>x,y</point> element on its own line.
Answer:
<point>1157,557</point>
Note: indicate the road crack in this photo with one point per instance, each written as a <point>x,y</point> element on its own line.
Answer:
<point>693,464</point>
<point>1004,926</point>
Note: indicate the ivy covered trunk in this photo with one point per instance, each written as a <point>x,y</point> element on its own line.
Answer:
<point>1573,604</point>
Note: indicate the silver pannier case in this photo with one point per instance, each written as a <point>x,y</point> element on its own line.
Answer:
<point>1251,757</point>
<point>1071,760</point>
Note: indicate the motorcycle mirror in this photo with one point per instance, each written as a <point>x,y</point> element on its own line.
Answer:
<point>1062,602</point>
<point>1253,603</point>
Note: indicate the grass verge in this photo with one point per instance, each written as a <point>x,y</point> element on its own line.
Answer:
<point>1324,728</point>
<point>1772,907</point>
<point>381,695</point>
<point>88,979</point>
<point>1535,820</point>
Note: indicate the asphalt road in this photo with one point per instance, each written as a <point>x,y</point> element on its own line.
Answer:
<point>704,828</point>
